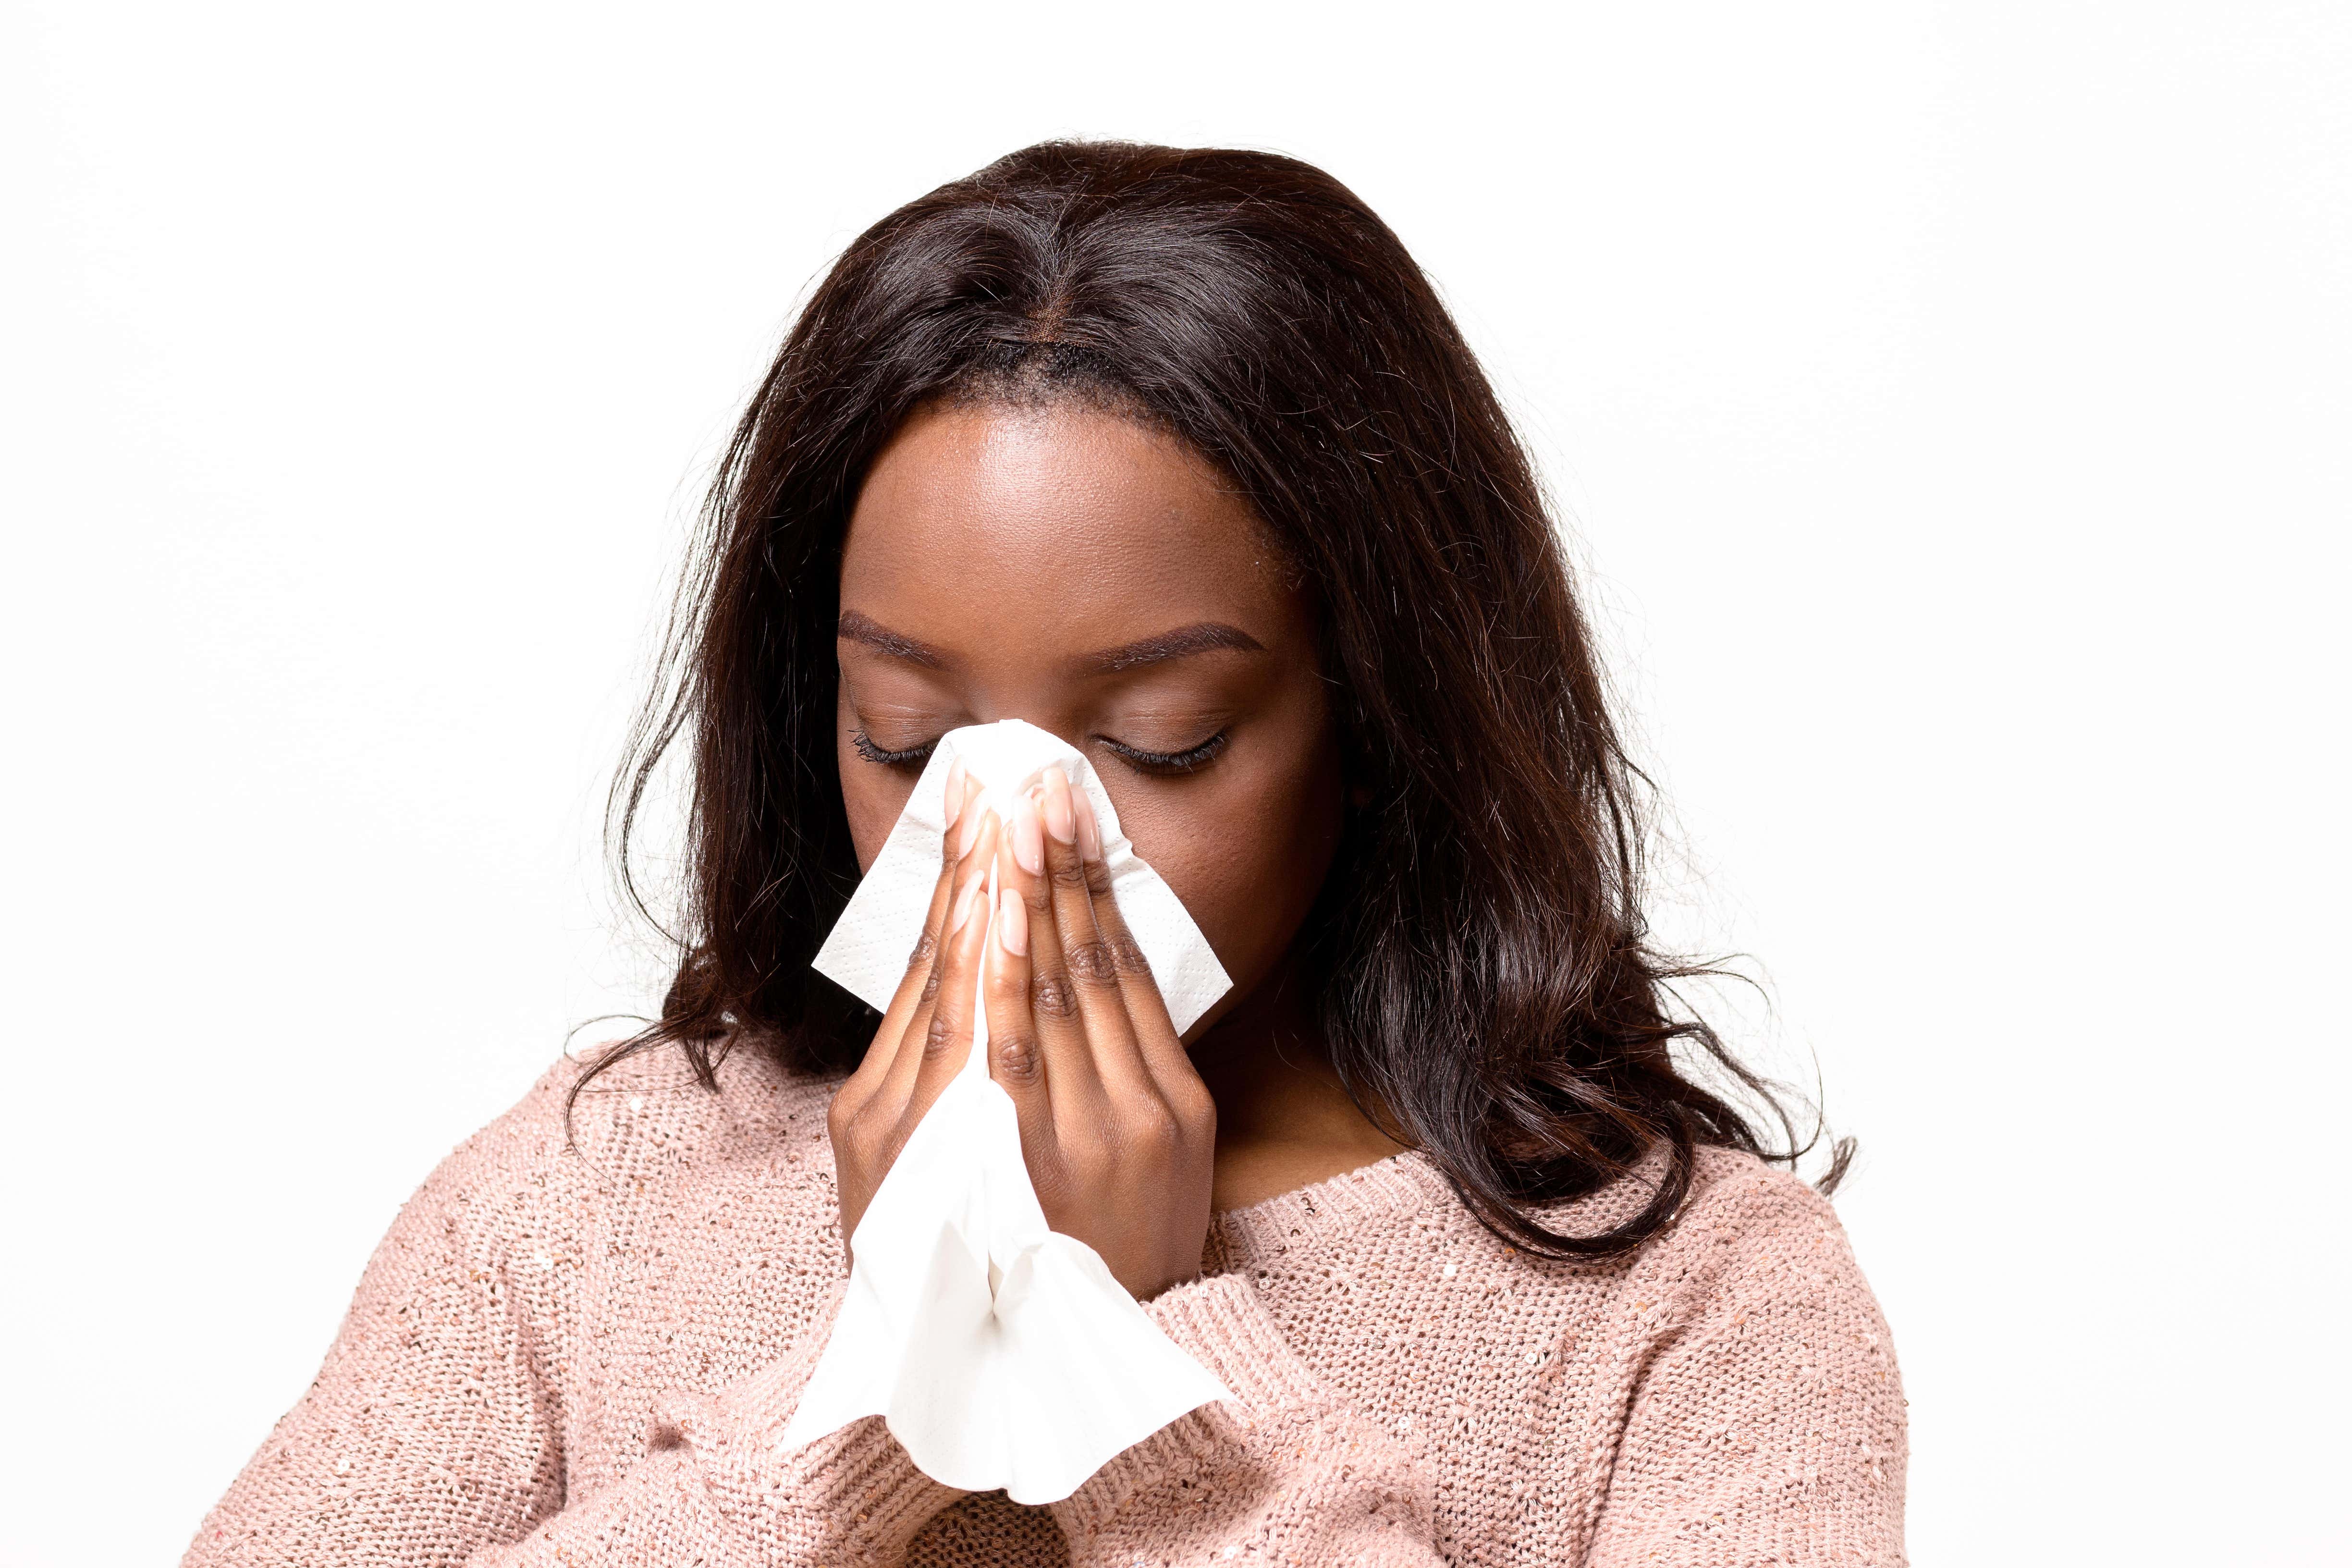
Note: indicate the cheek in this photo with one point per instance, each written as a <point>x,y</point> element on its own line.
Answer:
<point>1256,887</point>
<point>1247,857</point>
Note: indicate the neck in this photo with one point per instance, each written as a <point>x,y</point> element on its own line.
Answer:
<point>1283,1120</point>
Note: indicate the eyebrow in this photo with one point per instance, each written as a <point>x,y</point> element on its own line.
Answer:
<point>855,627</point>
<point>1202,636</point>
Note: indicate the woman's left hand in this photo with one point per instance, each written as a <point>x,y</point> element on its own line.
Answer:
<point>1119,1131</point>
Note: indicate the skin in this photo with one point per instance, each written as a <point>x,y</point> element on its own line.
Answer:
<point>1094,576</point>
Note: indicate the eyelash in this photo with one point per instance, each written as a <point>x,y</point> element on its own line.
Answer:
<point>913,757</point>
<point>1190,759</point>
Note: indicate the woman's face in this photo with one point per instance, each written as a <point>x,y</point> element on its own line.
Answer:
<point>1079,571</point>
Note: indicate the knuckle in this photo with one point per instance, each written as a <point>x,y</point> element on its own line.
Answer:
<point>1004,984</point>
<point>924,948</point>
<point>1098,876</point>
<point>1051,996</point>
<point>932,981</point>
<point>1093,962</point>
<point>1129,956</point>
<point>1068,873</point>
<point>939,1035</point>
<point>1197,1114</point>
<point>1016,1053</point>
<point>1150,1128</point>
<point>858,1129</point>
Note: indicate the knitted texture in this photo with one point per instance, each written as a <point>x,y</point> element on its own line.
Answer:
<point>582,1353</point>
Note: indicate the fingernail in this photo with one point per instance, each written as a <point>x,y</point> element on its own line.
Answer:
<point>1061,820</point>
<point>955,790</point>
<point>1089,835</point>
<point>969,831</point>
<point>1028,837</point>
<point>1012,922</point>
<point>968,901</point>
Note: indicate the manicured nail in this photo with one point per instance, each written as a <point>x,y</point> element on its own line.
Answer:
<point>1089,835</point>
<point>1061,819</point>
<point>1012,922</point>
<point>1028,837</point>
<point>969,831</point>
<point>955,790</point>
<point>969,900</point>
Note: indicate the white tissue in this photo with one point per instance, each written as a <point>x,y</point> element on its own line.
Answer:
<point>1000,1352</point>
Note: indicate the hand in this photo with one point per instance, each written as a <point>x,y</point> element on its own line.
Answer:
<point>1117,1129</point>
<point>913,1056</point>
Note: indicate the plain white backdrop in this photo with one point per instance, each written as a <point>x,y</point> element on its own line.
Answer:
<point>1950,404</point>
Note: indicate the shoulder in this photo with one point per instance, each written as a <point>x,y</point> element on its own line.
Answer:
<point>1764,1216</point>
<point>1734,1197</point>
<point>1755,1248</point>
<point>1740,1199</point>
<point>1747,1232</point>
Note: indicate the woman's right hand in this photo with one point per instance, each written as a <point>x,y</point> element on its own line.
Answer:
<point>909,1061</point>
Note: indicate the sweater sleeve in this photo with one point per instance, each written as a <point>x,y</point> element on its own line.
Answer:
<point>716,1490</point>
<point>1286,1472</point>
<point>1766,1419</point>
<point>429,1437</point>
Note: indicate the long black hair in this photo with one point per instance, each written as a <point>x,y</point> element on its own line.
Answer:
<point>1484,965</point>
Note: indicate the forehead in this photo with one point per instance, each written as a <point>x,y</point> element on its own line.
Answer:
<point>1063,525</point>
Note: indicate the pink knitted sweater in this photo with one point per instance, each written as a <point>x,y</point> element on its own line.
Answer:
<point>584,1357</point>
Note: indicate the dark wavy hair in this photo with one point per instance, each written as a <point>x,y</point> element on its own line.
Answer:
<point>1482,962</point>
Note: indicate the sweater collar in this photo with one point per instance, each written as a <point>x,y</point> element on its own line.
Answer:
<point>1315,1215</point>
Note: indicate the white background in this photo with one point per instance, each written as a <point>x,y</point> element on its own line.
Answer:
<point>1950,402</point>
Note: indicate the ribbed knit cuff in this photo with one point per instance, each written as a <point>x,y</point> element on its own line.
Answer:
<point>857,1482</point>
<point>1220,1323</point>
<point>861,1480</point>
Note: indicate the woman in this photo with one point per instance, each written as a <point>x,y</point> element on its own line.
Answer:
<point>1177,455</point>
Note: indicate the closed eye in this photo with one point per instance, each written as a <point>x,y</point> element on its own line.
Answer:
<point>912,757</point>
<point>1190,759</point>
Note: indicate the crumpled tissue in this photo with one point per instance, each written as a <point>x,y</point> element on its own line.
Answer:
<point>1000,1352</point>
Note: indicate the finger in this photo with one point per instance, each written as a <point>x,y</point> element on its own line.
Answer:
<point>946,1041</point>
<point>910,1004</point>
<point>1093,967</point>
<point>904,1001</point>
<point>1014,1051</point>
<point>946,994</point>
<point>1068,1060</point>
<point>1154,1031</point>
